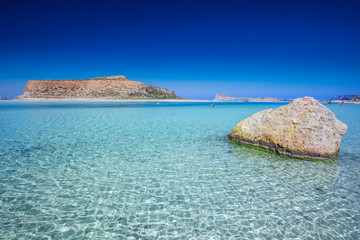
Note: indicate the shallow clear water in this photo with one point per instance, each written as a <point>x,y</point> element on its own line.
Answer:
<point>167,171</point>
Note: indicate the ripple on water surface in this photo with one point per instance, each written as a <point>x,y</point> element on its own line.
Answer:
<point>147,171</point>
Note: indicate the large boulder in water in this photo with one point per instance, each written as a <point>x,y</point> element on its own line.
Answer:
<point>304,128</point>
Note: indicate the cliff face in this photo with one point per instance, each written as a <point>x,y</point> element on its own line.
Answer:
<point>114,87</point>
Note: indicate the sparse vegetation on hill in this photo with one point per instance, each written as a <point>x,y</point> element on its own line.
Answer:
<point>114,87</point>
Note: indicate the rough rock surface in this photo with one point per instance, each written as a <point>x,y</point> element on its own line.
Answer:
<point>304,128</point>
<point>114,87</point>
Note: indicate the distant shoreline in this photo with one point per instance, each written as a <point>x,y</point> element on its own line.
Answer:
<point>124,100</point>
<point>100,100</point>
<point>144,100</point>
<point>345,101</point>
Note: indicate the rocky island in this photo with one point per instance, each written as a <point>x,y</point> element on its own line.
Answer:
<point>304,128</point>
<point>113,87</point>
<point>224,97</point>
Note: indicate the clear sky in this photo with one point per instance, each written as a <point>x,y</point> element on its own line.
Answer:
<point>247,48</point>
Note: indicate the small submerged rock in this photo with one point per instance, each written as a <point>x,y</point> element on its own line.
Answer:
<point>304,128</point>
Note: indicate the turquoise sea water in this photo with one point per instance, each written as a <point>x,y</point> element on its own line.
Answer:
<point>167,171</point>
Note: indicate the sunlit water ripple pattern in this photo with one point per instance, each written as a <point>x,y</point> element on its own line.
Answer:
<point>166,171</point>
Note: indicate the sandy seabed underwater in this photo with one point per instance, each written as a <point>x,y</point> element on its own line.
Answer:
<point>112,170</point>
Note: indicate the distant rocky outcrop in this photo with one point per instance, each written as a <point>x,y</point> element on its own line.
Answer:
<point>3,98</point>
<point>113,87</point>
<point>304,128</point>
<point>224,97</point>
<point>346,97</point>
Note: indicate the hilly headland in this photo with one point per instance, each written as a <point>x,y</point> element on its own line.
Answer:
<point>346,99</point>
<point>112,87</point>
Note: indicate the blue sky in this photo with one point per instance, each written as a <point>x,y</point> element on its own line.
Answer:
<point>248,48</point>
